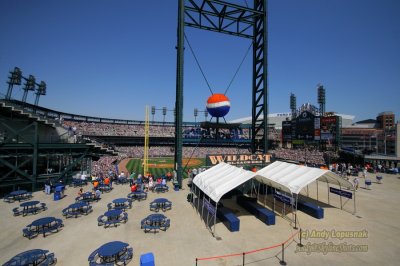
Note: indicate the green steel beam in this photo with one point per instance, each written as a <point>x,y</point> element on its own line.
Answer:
<point>179,92</point>
<point>224,17</point>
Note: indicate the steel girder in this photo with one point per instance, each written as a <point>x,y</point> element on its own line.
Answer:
<point>232,19</point>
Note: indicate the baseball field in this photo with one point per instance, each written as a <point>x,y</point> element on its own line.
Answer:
<point>160,166</point>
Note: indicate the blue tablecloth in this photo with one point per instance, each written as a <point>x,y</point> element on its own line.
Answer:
<point>111,248</point>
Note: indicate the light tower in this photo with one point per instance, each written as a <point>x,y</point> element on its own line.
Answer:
<point>41,90</point>
<point>293,105</point>
<point>321,99</point>
<point>14,79</point>
<point>29,86</point>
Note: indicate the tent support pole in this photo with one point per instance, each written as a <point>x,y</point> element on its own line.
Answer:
<point>354,192</point>
<point>198,200</point>
<point>258,190</point>
<point>208,214</point>
<point>202,209</point>
<point>295,213</point>
<point>341,205</point>
<point>274,203</point>
<point>252,187</point>
<point>308,195</point>
<point>215,218</point>
<point>329,202</point>
<point>317,191</point>
<point>265,195</point>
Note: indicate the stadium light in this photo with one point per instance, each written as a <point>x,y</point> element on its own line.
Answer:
<point>29,86</point>
<point>41,90</point>
<point>293,104</point>
<point>321,99</point>
<point>14,79</point>
<point>164,112</point>
<point>195,114</point>
<point>153,111</point>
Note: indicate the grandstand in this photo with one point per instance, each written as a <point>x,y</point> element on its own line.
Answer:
<point>76,142</point>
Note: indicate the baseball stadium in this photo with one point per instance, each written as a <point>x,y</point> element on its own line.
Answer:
<point>269,189</point>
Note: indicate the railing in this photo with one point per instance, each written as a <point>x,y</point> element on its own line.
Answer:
<point>243,254</point>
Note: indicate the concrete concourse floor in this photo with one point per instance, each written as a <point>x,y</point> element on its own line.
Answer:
<point>376,220</point>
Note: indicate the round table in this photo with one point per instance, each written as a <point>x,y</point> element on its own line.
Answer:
<point>43,221</point>
<point>160,200</point>
<point>77,205</point>
<point>18,192</point>
<point>34,256</point>
<point>120,201</point>
<point>113,213</point>
<point>29,204</point>
<point>111,249</point>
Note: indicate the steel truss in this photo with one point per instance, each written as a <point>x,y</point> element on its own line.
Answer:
<point>232,19</point>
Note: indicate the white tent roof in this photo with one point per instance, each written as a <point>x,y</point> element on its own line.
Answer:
<point>293,178</point>
<point>220,179</point>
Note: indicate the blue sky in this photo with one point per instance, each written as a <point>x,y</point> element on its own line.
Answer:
<point>112,58</point>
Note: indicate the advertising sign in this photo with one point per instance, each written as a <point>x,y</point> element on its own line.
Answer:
<point>285,199</point>
<point>339,192</point>
<point>305,126</point>
<point>328,128</point>
<point>317,128</point>
<point>238,159</point>
<point>286,130</point>
<point>209,207</point>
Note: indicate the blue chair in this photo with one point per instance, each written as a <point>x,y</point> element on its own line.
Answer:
<point>43,206</point>
<point>50,260</point>
<point>94,256</point>
<point>100,220</point>
<point>59,223</point>
<point>28,233</point>
<point>143,223</point>
<point>125,217</point>
<point>165,225</point>
<point>88,210</point>
<point>154,207</point>
<point>16,211</point>
<point>65,212</point>
<point>167,206</point>
<point>127,256</point>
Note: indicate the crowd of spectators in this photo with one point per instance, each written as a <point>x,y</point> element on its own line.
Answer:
<point>110,129</point>
<point>308,156</point>
<point>194,152</point>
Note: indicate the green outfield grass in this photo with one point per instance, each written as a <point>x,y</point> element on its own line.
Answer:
<point>158,169</point>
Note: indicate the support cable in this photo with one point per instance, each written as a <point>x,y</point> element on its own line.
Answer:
<point>198,64</point>
<point>237,70</point>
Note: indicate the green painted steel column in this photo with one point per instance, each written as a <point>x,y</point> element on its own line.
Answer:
<point>179,92</point>
<point>265,73</point>
<point>35,156</point>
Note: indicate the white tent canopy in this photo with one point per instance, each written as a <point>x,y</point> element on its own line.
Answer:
<point>220,179</point>
<point>293,178</point>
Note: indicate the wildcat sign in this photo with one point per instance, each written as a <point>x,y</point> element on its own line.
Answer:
<point>238,159</point>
